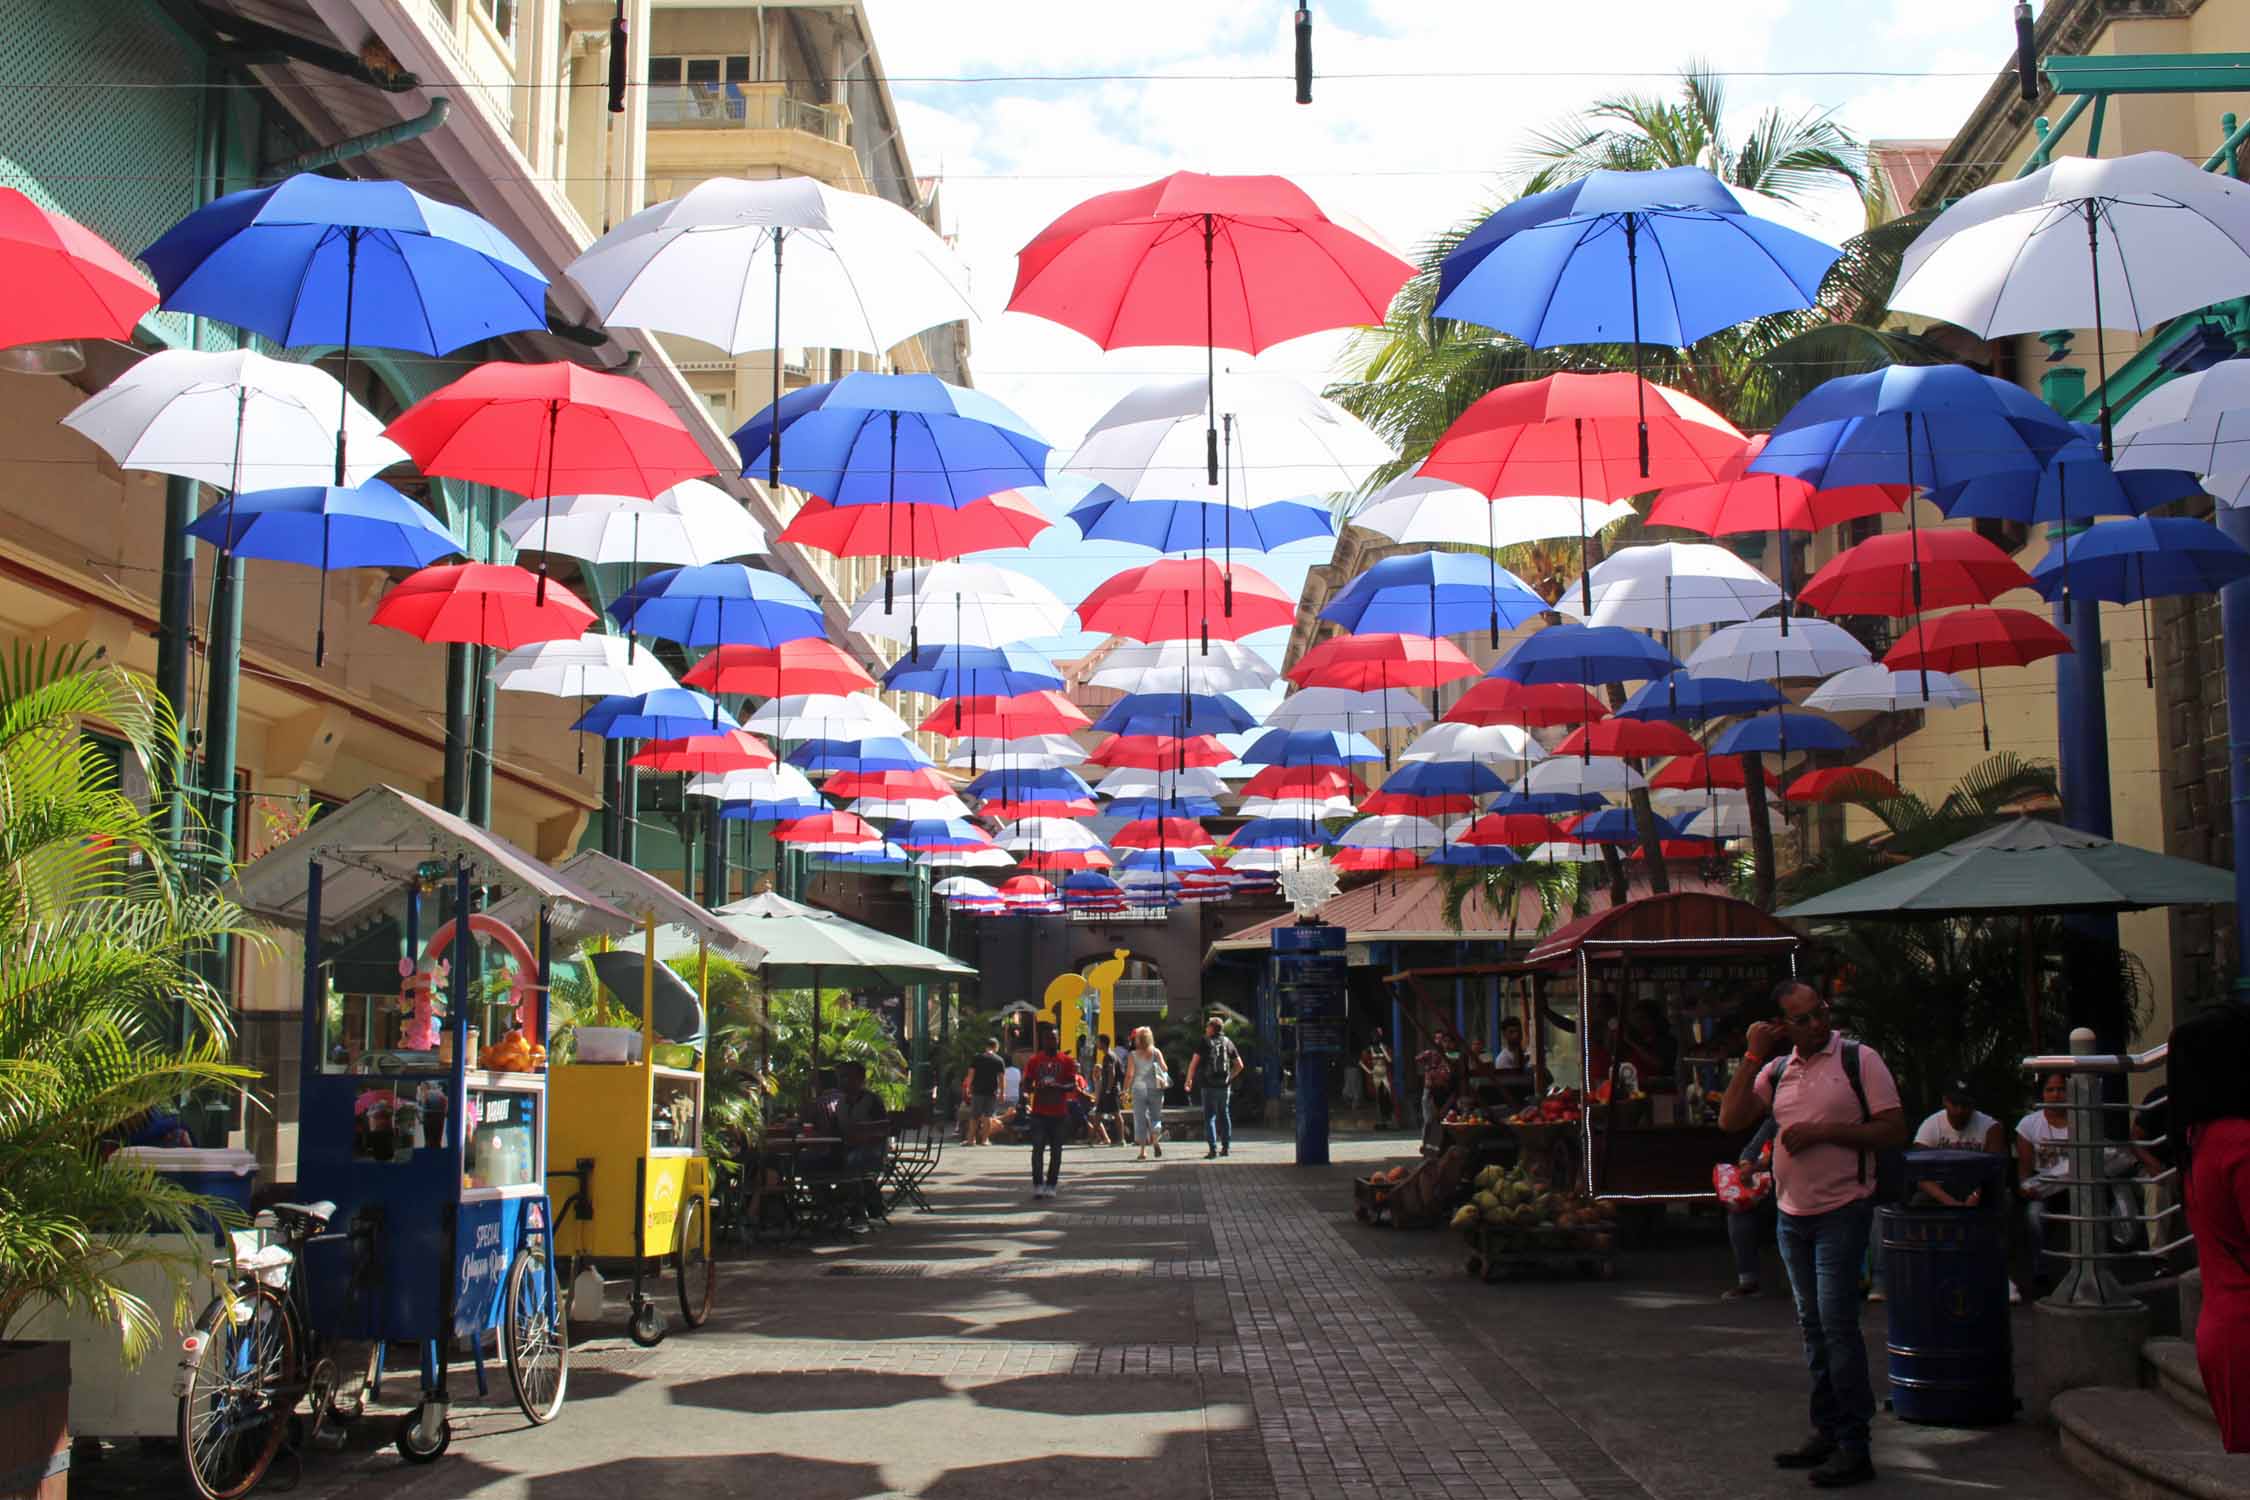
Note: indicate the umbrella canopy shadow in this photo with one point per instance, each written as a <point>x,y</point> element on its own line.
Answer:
<point>719,1475</point>
<point>807,1391</point>
<point>1179,1464</point>
<point>1119,1394</point>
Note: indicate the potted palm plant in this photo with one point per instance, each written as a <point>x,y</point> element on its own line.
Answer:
<point>100,933</point>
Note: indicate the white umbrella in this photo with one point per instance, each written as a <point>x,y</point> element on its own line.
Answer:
<point>692,523</point>
<point>1393,831</point>
<point>1671,586</point>
<point>966,859</point>
<point>1490,743</point>
<point>592,666</point>
<point>1344,709</point>
<point>826,716</point>
<point>1602,775</point>
<point>1875,688</point>
<point>1055,835</point>
<point>1281,442</point>
<point>2199,422</point>
<point>777,783</point>
<point>1721,820</point>
<point>1031,752</point>
<point>1417,508</point>
<point>909,807</point>
<point>2120,242</point>
<point>963,885</point>
<point>1131,781</point>
<point>1334,806</point>
<point>1158,666</point>
<point>1565,852</point>
<point>1679,798</point>
<point>955,603</point>
<point>236,420</point>
<point>1253,861</point>
<point>1757,651</point>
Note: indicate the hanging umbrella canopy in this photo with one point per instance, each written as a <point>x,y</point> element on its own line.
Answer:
<point>1579,435</point>
<point>1175,715</point>
<point>2195,422</point>
<point>1927,426</point>
<point>908,809</point>
<point>1031,751</point>
<point>483,604</point>
<point>937,532</point>
<point>1633,738</point>
<point>664,714</point>
<point>997,716</point>
<point>719,604</point>
<point>2025,865</point>
<point>1497,700</point>
<point>1443,778</point>
<point>1878,576</point>
<point>957,603</point>
<point>1434,593</point>
<point>692,523</point>
<point>592,666</point>
<point>1280,833</point>
<point>1364,662</point>
<point>64,280</point>
<point>2073,483</point>
<point>1417,508</point>
<point>1841,784</point>
<point>948,671</point>
<point>1202,782</point>
<point>1308,747</point>
<point>804,944</point>
<point>828,828</point>
<point>1159,752</point>
<point>1760,651</point>
<point>1875,688</point>
<point>1153,666</point>
<point>1600,775</point>
<point>871,439</point>
<point>1671,586</point>
<point>1197,525</point>
<point>1280,441</point>
<point>1489,744</point>
<point>1703,773</point>
<point>706,754</point>
<point>1305,779</point>
<point>926,835</point>
<point>372,526</point>
<point>1740,501</point>
<point>1965,640</point>
<point>807,664</point>
<point>1162,832</point>
<point>1171,600</point>
<point>869,780</point>
<point>544,430</point>
<point>1506,829</point>
<point>1573,653</point>
<point>773,784</point>
<point>2149,557</point>
<point>1162,862</point>
<point>1781,732</point>
<point>1684,697</point>
<point>1055,835</point>
<point>962,885</point>
<point>1606,825</point>
<point>235,420</point>
<point>1339,709</point>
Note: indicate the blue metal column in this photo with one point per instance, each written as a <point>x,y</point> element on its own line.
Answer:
<point>2234,617</point>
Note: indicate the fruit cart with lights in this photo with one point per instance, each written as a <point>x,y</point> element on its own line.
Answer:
<point>424,1218</point>
<point>626,1162</point>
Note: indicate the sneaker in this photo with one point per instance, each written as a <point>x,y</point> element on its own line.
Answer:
<point>1158,1148</point>
<point>1053,1188</point>
<point>1226,1150</point>
<point>1038,1190</point>
<point>1737,1293</point>
<point>1810,1454</point>
<point>1844,1467</point>
<point>1211,1155</point>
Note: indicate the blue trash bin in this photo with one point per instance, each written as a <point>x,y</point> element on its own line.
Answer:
<point>1952,1354</point>
<point>222,1173</point>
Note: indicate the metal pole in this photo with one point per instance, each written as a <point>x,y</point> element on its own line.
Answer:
<point>216,840</point>
<point>479,663</point>
<point>2087,1283</point>
<point>2234,618</point>
<point>175,634</point>
<point>458,698</point>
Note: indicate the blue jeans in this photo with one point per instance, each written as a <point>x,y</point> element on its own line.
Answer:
<point>1218,1116</point>
<point>1047,1136</point>
<point>1823,1254</point>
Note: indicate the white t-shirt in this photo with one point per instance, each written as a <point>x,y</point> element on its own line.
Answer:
<point>1937,1132</point>
<point>1012,1082</point>
<point>2050,1158</point>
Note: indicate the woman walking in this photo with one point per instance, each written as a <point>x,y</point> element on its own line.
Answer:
<point>1146,1079</point>
<point>2210,1125</point>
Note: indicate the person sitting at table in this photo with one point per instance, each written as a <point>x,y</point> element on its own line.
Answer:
<point>862,1120</point>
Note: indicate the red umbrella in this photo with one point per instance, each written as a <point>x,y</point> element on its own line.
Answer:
<point>482,604</point>
<point>1976,638</point>
<point>1225,262</point>
<point>1004,811</point>
<point>1876,577</point>
<point>1159,752</point>
<point>1581,435</point>
<point>1514,829</point>
<point>707,754</point>
<point>812,665</point>
<point>1698,772</point>
<point>63,280</point>
<point>1410,805</point>
<point>1739,501</point>
<point>939,533</point>
<point>1170,600</point>
<point>1064,859</point>
<point>1026,888</point>
<point>1496,700</point>
<point>1634,738</point>
<point>988,715</point>
<point>1364,663</point>
<point>1163,833</point>
<point>1356,861</point>
<point>827,828</point>
<point>1841,784</point>
<point>1315,782</point>
<point>550,429</point>
<point>891,786</point>
<point>1674,849</point>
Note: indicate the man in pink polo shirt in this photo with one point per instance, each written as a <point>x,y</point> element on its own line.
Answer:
<point>1824,1179</point>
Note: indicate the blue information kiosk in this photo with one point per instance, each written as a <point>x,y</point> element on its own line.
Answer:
<point>1310,997</point>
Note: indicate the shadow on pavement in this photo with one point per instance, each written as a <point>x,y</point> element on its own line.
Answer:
<point>806,1391</point>
<point>733,1474</point>
<point>1178,1467</point>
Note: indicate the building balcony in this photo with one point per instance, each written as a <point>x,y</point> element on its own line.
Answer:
<point>712,129</point>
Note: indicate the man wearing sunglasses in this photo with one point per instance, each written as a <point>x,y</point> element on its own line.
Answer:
<point>1837,1106</point>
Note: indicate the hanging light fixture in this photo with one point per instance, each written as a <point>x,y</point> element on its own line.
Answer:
<point>55,357</point>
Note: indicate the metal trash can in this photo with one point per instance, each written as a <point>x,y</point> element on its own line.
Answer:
<point>1952,1354</point>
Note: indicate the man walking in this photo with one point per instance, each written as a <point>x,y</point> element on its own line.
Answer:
<point>1836,1105</point>
<point>1218,1064</point>
<point>1051,1079</point>
<point>988,1070</point>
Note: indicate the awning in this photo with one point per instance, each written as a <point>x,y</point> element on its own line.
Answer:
<point>639,895</point>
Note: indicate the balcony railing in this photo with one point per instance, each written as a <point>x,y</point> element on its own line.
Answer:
<point>742,106</point>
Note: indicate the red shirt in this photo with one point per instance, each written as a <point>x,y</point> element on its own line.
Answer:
<point>1051,1078</point>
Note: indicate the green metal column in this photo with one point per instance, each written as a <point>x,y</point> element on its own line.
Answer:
<point>481,716</point>
<point>918,877</point>
<point>714,852</point>
<point>175,642</point>
<point>217,840</point>
<point>628,805</point>
<point>459,699</point>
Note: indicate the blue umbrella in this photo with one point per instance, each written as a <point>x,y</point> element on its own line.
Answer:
<point>772,812</point>
<point>1031,784</point>
<point>2149,557</point>
<point>1683,697</point>
<point>879,752</point>
<point>662,714</point>
<point>1133,809</point>
<point>1166,861</point>
<point>1280,833</point>
<point>1780,731</point>
<point>1176,714</point>
<point>1186,525</point>
<point>872,439</point>
<point>330,260</point>
<point>1433,593</point>
<point>1545,804</point>
<point>888,854</point>
<point>1309,747</point>
<point>955,671</point>
<point>1571,652</point>
<point>719,604</point>
<point>1609,825</point>
<point>924,834</point>
<point>1474,856</point>
<point>1443,778</point>
<point>1563,267</point>
<point>373,526</point>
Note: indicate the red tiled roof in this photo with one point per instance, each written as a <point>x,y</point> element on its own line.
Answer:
<point>1902,167</point>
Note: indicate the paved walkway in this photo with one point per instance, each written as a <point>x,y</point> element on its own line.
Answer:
<point>1216,1330</point>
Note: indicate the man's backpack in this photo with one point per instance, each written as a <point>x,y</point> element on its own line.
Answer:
<point>1889,1163</point>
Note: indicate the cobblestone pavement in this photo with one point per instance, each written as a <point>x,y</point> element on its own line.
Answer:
<point>1185,1328</point>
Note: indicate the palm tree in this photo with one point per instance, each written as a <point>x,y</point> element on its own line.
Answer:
<point>1501,888</point>
<point>1414,376</point>
<point>101,937</point>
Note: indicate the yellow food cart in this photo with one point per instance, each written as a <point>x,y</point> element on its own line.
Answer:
<point>626,1165</point>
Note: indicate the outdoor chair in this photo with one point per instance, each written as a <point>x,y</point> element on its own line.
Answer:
<point>915,1152</point>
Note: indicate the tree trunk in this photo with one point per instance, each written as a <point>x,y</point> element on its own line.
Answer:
<point>1644,815</point>
<point>1761,829</point>
<point>1619,891</point>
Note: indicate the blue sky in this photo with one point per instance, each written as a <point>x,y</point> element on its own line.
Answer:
<point>1407,152</point>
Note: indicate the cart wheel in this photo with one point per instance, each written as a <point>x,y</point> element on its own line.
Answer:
<point>693,1268</point>
<point>410,1445</point>
<point>647,1326</point>
<point>535,1334</point>
<point>233,1410</point>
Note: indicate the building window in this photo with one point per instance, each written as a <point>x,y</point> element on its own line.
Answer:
<point>721,406</point>
<point>501,13</point>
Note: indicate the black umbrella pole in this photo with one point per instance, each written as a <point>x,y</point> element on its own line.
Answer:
<point>320,619</point>
<point>2101,348</point>
<point>1640,381</point>
<point>344,377</point>
<point>773,413</point>
<point>1210,364</point>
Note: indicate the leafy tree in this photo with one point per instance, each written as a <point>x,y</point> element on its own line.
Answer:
<point>1502,886</point>
<point>101,935</point>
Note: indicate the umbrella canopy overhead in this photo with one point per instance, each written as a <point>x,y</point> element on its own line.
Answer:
<point>592,666</point>
<point>484,604</point>
<point>804,942</point>
<point>543,430</point>
<point>1418,508</point>
<point>1672,586</point>
<point>871,439</point>
<point>691,523</point>
<point>2026,865</point>
<point>66,281</point>
<point>1281,442</point>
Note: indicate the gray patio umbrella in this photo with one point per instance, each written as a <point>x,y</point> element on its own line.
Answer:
<point>678,1014</point>
<point>2025,868</point>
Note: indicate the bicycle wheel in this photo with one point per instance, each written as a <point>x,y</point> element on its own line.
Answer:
<point>535,1334</point>
<point>235,1401</point>
<point>693,1268</point>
